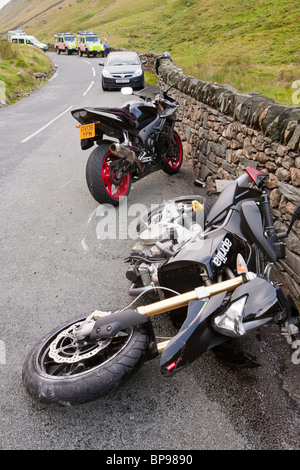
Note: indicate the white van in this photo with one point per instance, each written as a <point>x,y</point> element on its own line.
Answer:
<point>26,40</point>
<point>15,32</point>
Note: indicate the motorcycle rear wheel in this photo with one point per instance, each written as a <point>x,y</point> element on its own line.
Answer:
<point>173,161</point>
<point>98,177</point>
<point>99,371</point>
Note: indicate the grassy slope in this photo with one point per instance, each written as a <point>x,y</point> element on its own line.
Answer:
<point>16,66</point>
<point>252,45</point>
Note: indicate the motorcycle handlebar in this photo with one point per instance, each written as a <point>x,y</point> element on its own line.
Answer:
<point>165,101</point>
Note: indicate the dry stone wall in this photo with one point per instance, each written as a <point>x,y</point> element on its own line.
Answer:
<point>224,131</point>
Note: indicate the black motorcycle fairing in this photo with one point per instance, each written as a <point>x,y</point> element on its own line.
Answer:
<point>123,114</point>
<point>154,127</point>
<point>106,122</point>
<point>262,304</point>
<point>215,252</point>
<point>252,220</point>
<point>145,113</point>
<point>194,337</point>
<point>231,195</point>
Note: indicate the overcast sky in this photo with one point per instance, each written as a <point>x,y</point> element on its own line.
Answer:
<point>3,2</point>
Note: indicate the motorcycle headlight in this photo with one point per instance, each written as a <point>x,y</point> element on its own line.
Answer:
<point>137,73</point>
<point>230,323</point>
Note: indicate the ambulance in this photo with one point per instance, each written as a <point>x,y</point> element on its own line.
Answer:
<point>20,37</point>
<point>65,42</point>
<point>89,43</point>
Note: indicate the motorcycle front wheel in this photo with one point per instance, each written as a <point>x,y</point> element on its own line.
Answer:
<point>102,181</point>
<point>173,160</point>
<point>61,370</point>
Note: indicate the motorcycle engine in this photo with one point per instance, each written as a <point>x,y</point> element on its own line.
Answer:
<point>150,144</point>
<point>162,231</point>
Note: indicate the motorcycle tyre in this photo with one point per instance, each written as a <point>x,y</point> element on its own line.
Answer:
<point>94,177</point>
<point>89,385</point>
<point>166,166</point>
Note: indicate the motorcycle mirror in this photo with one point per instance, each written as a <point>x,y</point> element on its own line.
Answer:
<point>127,90</point>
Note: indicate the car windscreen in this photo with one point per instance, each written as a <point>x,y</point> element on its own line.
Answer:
<point>34,40</point>
<point>122,60</point>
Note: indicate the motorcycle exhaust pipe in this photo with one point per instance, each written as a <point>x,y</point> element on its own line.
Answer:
<point>120,150</point>
<point>125,153</point>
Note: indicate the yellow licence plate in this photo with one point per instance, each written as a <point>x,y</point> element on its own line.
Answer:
<point>87,131</point>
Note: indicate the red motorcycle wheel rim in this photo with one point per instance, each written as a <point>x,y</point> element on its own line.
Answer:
<point>175,161</point>
<point>114,191</point>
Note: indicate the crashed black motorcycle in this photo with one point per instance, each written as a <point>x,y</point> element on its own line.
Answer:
<point>220,273</point>
<point>132,142</point>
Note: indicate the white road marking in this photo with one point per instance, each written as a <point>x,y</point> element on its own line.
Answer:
<point>53,77</point>
<point>91,216</point>
<point>88,88</point>
<point>84,245</point>
<point>47,125</point>
<point>68,182</point>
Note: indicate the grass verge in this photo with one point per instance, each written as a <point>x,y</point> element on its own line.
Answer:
<point>17,67</point>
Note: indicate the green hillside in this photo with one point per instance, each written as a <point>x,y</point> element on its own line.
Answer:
<point>252,45</point>
<point>18,66</point>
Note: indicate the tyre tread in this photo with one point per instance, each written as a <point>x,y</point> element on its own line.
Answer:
<point>94,175</point>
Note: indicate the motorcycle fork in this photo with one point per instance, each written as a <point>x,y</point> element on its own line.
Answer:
<point>168,131</point>
<point>183,300</point>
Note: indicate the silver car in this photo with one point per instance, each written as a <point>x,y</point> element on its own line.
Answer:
<point>122,69</point>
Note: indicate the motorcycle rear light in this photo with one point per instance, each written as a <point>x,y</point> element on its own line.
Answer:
<point>79,114</point>
<point>230,323</point>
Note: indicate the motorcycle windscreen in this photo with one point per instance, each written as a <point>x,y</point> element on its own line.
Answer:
<point>194,337</point>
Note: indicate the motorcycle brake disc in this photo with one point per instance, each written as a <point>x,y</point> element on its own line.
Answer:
<point>65,348</point>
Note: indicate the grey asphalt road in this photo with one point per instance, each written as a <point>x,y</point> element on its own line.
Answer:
<point>53,268</point>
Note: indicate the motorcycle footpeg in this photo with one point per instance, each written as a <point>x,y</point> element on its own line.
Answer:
<point>109,325</point>
<point>198,182</point>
